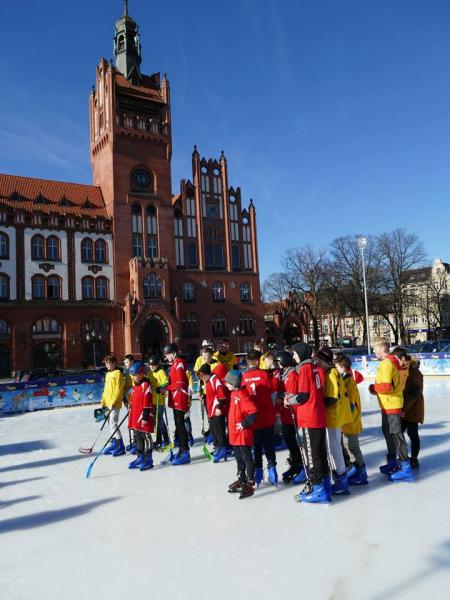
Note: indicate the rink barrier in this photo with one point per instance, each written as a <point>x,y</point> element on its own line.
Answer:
<point>431,363</point>
<point>51,393</point>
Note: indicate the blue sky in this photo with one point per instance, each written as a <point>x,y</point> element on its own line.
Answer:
<point>334,115</point>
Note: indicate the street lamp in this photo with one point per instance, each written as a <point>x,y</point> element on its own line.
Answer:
<point>238,331</point>
<point>362,245</point>
<point>93,336</point>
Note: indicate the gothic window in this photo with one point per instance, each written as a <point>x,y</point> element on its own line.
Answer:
<point>87,252</point>
<point>179,246</point>
<point>87,288</point>
<point>190,325</point>
<point>53,287</point>
<point>120,43</point>
<point>47,326</point>
<point>38,287</point>
<point>99,325</point>
<point>101,288</point>
<point>234,219</point>
<point>190,212</point>
<point>218,255</point>
<point>217,291</point>
<point>152,247</point>
<point>53,248</point>
<point>4,287</point>
<point>188,291</point>
<point>219,325</point>
<point>4,329</point>
<point>217,182</point>
<point>192,254</point>
<point>4,245</point>
<point>246,235</point>
<point>235,261</point>
<point>152,232</point>
<point>37,247</point>
<point>136,228</point>
<point>100,251</point>
<point>152,286</point>
<point>247,324</point>
<point>244,292</point>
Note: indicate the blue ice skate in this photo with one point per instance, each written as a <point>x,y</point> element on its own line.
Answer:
<point>221,455</point>
<point>111,448</point>
<point>404,473</point>
<point>146,464</point>
<point>259,476</point>
<point>389,467</point>
<point>299,478</point>
<point>273,475</point>
<point>360,477</point>
<point>183,458</point>
<point>318,495</point>
<point>137,462</point>
<point>341,487</point>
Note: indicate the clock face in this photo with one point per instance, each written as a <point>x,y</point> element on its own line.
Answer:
<point>141,179</point>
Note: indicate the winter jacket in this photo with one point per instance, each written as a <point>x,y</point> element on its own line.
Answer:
<point>352,392</point>
<point>387,385</point>
<point>113,391</point>
<point>228,359</point>
<point>309,401</point>
<point>336,400</point>
<point>141,408</point>
<point>289,385</point>
<point>243,409</point>
<point>258,384</point>
<point>413,406</point>
<point>158,380</point>
<point>178,386</point>
<point>216,396</point>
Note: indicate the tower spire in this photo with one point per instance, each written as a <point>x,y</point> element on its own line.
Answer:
<point>127,47</point>
<point>125,8</point>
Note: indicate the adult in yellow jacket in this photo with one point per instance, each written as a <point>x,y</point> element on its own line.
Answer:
<point>224,355</point>
<point>357,473</point>
<point>388,390</point>
<point>158,381</point>
<point>112,398</point>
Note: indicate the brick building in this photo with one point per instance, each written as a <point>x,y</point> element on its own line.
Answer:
<point>124,265</point>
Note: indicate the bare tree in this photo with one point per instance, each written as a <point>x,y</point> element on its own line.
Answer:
<point>399,253</point>
<point>275,288</point>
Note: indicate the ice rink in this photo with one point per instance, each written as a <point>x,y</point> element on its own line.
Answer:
<point>175,532</point>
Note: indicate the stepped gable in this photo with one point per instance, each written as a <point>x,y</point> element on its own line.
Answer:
<point>48,196</point>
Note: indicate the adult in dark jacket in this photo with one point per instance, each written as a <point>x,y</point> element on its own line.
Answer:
<point>413,409</point>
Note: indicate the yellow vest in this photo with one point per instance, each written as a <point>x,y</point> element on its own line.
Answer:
<point>157,379</point>
<point>355,426</point>
<point>388,373</point>
<point>114,389</point>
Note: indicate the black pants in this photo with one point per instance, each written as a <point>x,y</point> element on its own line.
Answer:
<point>291,442</point>
<point>412,429</point>
<point>264,439</point>
<point>315,449</point>
<point>245,464</point>
<point>180,430</point>
<point>144,443</point>
<point>217,426</point>
<point>395,440</point>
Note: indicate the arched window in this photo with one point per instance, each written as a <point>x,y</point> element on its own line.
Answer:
<point>47,326</point>
<point>136,228</point>
<point>47,355</point>
<point>244,292</point>
<point>120,43</point>
<point>4,329</point>
<point>152,286</point>
<point>87,252</point>
<point>152,232</point>
<point>37,247</point>
<point>188,291</point>
<point>247,324</point>
<point>53,252</point>
<point>87,288</point>
<point>217,292</point>
<point>219,325</point>
<point>4,245</point>
<point>190,325</point>
<point>4,286</point>
<point>101,288</point>
<point>100,251</point>
<point>38,287</point>
<point>99,325</point>
<point>53,287</point>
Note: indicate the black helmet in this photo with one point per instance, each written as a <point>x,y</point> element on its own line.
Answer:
<point>284,358</point>
<point>170,348</point>
<point>154,360</point>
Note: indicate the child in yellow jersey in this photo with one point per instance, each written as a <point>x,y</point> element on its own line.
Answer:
<point>351,431</point>
<point>158,382</point>
<point>128,361</point>
<point>338,414</point>
<point>112,398</point>
<point>223,354</point>
<point>388,390</point>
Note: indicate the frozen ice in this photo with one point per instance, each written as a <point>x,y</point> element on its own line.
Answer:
<point>175,533</point>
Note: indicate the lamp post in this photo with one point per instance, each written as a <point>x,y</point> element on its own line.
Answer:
<point>362,245</point>
<point>93,336</point>
<point>237,331</point>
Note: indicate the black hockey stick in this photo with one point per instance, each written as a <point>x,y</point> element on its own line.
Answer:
<point>89,450</point>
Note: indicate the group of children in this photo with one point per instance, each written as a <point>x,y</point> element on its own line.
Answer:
<point>314,398</point>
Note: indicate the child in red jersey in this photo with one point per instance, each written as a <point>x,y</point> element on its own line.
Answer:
<point>312,419</point>
<point>241,420</point>
<point>140,418</point>
<point>259,386</point>
<point>216,408</point>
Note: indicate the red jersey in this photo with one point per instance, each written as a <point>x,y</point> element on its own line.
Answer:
<point>178,386</point>
<point>289,384</point>
<point>216,393</point>
<point>259,386</point>
<point>310,384</point>
<point>140,404</point>
<point>241,406</point>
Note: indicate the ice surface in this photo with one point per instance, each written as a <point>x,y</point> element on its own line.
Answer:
<point>175,532</point>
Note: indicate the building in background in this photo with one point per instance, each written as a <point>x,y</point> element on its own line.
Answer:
<point>124,265</point>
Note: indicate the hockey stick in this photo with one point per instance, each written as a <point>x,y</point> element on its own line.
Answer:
<point>91,466</point>
<point>89,450</point>
<point>297,497</point>
<point>170,447</point>
<point>205,450</point>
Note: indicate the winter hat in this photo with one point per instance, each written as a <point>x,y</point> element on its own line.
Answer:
<point>303,350</point>
<point>234,378</point>
<point>325,354</point>
<point>220,370</point>
<point>205,369</point>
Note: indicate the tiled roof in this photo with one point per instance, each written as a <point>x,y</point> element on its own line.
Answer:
<point>45,195</point>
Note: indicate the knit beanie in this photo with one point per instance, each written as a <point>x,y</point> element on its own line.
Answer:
<point>234,378</point>
<point>303,350</point>
<point>325,354</point>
